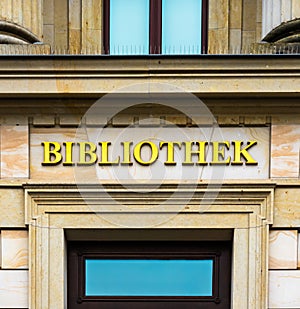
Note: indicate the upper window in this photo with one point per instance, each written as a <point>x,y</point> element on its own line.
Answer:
<point>141,27</point>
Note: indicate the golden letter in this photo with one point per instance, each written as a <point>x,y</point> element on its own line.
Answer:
<point>137,153</point>
<point>69,153</point>
<point>84,152</point>
<point>200,153</point>
<point>220,153</point>
<point>51,149</point>
<point>126,153</point>
<point>104,155</point>
<point>170,151</point>
<point>238,152</point>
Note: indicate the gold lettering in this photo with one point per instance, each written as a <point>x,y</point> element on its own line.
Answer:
<point>51,149</point>
<point>219,153</point>
<point>238,152</point>
<point>87,149</point>
<point>137,153</point>
<point>200,153</point>
<point>104,155</point>
<point>126,153</point>
<point>69,153</point>
<point>170,151</point>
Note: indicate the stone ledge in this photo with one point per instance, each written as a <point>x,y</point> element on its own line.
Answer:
<point>25,49</point>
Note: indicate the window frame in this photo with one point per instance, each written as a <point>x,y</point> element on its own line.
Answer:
<point>220,252</point>
<point>155,27</point>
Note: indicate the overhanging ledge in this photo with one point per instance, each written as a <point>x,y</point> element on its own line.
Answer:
<point>233,75</point>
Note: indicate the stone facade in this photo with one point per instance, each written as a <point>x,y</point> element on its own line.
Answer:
<point>49,95</point>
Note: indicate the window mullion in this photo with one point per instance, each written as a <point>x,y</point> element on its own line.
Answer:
<point>106,26</point>
<point>204,39</point>
<point>155,26</point>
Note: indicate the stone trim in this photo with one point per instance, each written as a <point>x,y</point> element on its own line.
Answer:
<point>246,209</point>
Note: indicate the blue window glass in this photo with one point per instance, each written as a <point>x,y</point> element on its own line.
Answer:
<point>129,27</point>
<point>148,277</point>
<point>181,26</point>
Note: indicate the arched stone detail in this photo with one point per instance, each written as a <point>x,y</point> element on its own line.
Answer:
<point>11,33</point>
<point>287,32</point>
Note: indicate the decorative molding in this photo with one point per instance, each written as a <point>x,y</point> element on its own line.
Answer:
<point>52,210</point>
<point>88,76</point>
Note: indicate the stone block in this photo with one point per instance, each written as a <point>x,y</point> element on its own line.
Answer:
<point>286,10</point>
<point>284,289</point>
<point>69,120</point>
<point>295,9</point>
<point>14,289</point>
<point>283,249</point>
<point>258,36</point>
<point>17,12</point>
<point>48,12</point>
<point>235,41</point>
<point>248,38</point>
<point>96,120</point>
<point>49,34</point>
<point>222,8</point>
<point>93,41</point>
<point>249,15</point>
<point>255,120</point>
<point>75,41</point>
<point>12,208</point>
<point>286,208</point>
<point>203,120</point>
<point>145,121</point>
<point>213,15</point>
<point>123,120</point>
<point>14,248</point>
<point>7,9</point>
<point>218,41</point>
<point>75,14</point>
<point>96,15</point>
<point>175,120</point>
<point>36,21</point>
<point>235,20</point>
<point>14,151</point>
<point>44,120</point>
<point>285,140</point>
<point>228,120</point>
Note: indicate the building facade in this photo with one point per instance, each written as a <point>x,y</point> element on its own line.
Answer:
<point>160,151</point>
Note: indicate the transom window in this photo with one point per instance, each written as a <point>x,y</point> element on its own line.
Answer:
<point>154,275</point>
<point>140,27</point>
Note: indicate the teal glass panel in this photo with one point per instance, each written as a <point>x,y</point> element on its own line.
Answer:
<point>129,27</point>
<point>181,26</point>
<point>149,277</point>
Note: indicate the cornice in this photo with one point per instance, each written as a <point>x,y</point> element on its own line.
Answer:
<point>91,76</point>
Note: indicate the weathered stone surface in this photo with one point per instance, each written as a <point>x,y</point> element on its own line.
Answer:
<point>283,249</point>
<point>295,9</point>
<point>13,289</point>
<point>249,15</point>
<point>14,248</point>
<point>285,141</point>
<point>284,289</point>
<point>14,151</point>
<point>44,120</point>
<point>286,208</point>
<point>235,11</point>
<point>12,207</point>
